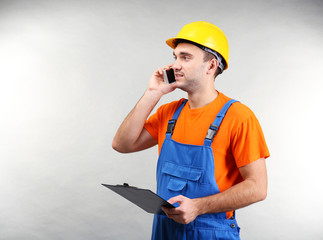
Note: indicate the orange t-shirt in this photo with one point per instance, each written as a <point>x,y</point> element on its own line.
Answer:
<point>239,140</point>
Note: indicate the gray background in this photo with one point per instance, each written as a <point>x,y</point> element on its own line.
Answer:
<point>70,71</point>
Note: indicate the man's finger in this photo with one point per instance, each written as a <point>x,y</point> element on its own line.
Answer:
<point>176,199</point>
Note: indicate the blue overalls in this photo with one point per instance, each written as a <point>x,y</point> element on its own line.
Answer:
<point>188,170</point>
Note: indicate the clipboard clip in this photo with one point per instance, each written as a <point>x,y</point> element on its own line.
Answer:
<point>126,185</point>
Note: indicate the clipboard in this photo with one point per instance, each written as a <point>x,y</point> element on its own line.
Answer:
<point>143,198</point>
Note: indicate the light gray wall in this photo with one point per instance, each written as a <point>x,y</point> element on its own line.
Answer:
<point>70,71</point>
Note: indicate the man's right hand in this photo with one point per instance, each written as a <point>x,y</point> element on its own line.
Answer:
<point>157,84</point>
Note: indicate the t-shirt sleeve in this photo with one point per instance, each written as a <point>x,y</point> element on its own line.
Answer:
<point>157,122</point>
<point>249,142</point>
<point>152,125</point>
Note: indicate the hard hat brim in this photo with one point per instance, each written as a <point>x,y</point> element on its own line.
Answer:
<point>171,42</point>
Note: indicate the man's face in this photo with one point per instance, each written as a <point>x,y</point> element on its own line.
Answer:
<point>189,67</point>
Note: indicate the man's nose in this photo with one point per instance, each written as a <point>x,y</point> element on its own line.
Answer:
<point>176,66</point>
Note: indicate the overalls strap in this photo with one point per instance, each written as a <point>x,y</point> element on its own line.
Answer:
<point>172,122</point>
<point>214,127</point>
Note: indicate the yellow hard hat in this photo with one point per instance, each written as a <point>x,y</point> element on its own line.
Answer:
<point>205,34</point>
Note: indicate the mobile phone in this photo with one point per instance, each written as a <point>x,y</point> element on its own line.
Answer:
<point>169,76</point>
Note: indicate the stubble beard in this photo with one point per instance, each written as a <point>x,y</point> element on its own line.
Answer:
<point>190,85</point>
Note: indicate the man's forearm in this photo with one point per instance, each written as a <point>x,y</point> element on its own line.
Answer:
<point>131,128</point>
<point>238,196</point>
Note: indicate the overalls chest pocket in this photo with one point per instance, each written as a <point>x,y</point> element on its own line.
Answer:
<point>178,176</point>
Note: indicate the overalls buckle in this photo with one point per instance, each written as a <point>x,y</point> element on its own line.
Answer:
<point>211,132</point>
<point>170,126</point>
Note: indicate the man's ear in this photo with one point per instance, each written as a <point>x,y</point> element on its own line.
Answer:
<point>213,66</point>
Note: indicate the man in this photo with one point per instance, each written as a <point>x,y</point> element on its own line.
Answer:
<point>212,149</point>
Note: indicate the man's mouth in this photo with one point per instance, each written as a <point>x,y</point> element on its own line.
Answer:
<point>178,75</point>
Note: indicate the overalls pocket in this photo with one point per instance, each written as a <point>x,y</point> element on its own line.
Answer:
<point>176,184</point>
<point>180,176</point>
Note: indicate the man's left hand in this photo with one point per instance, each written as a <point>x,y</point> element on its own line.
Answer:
<point>185,213</point>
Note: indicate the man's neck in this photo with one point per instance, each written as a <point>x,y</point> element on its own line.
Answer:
<point>202,98</point>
